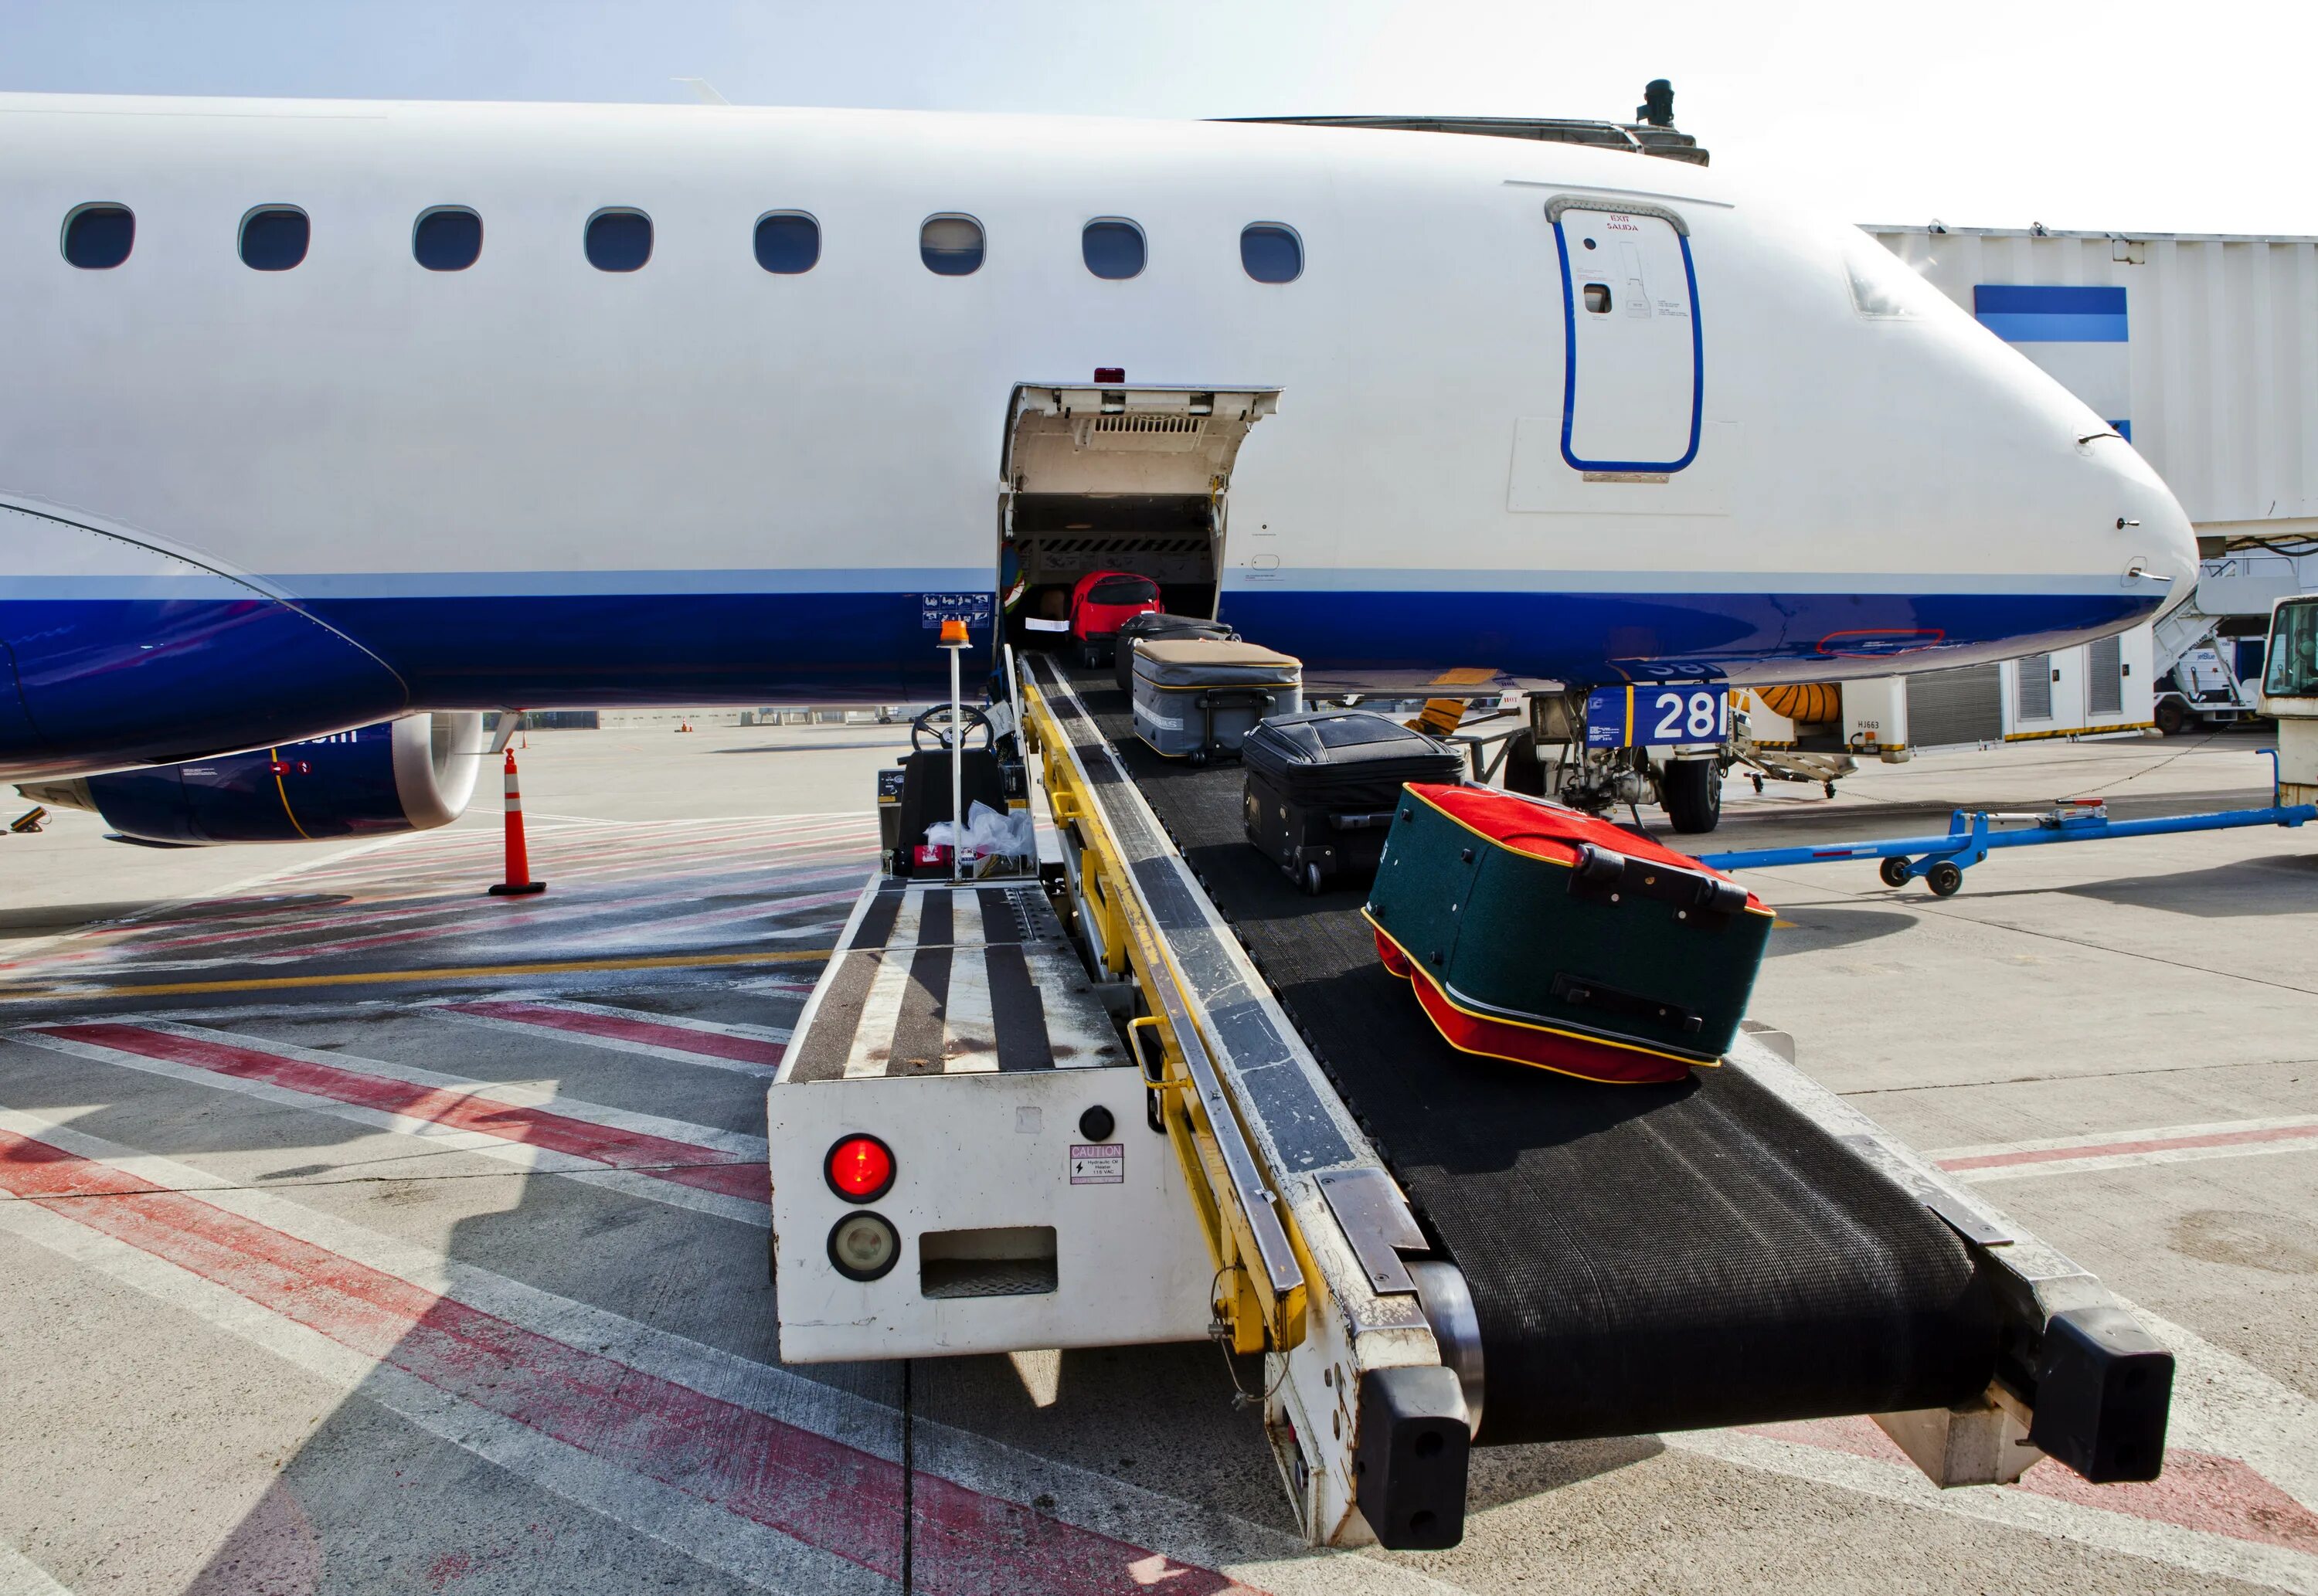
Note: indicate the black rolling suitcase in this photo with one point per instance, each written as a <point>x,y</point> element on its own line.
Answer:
<point>1322,787</point>
<point>1152,626</point>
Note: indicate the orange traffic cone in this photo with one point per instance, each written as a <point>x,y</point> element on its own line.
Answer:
<point>518,882</point>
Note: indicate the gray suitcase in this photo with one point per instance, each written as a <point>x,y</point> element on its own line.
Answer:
<point>1198,697</point>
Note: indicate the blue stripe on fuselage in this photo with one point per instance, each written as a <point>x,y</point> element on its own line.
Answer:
<point>864,646</point>
<point>607,649</point>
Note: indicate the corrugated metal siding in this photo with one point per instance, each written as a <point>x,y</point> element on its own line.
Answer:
<point>2036,696</point>
<point>2103,677</point>
<point>2224,363</point>
<point>1952,707</point>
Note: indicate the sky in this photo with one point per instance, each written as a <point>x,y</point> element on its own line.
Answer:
<point>2120,116</point>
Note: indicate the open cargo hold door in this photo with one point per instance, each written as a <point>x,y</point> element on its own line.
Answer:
<point>1120,478</point>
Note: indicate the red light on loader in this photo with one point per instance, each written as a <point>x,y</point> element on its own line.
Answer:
<point>859,1168</point>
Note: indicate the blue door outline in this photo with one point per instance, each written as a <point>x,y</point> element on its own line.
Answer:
<point>1554,211</point>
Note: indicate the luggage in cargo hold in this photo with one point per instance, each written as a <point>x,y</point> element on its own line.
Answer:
<point>1323,787</point>
<point>1101,603</point>
<point>1534,933</point>
<point>1198,697</point>
<point>1150,627</point>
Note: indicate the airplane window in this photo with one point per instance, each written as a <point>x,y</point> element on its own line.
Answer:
<point>273,238</point>
<point>97,237</point>
<point>787,242</point>
<point>1112,249</point>
<point>619,240</point>
<point>1271,253</point>
<point>951,246</point>
<point>1597,298</point>
<point>447,239</point>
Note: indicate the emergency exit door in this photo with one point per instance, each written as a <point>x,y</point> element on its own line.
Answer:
<point>1633,374</point>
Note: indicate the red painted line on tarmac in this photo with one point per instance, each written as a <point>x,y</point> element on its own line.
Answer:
<point>2044,1155</point>
<point>747,1050</point>
<point>814,1490</point>
<point>723,1172</point>
<point>2197,1491</point>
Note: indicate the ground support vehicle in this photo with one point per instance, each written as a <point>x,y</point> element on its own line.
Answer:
<point>1940,861</point>
<point>1430,1251</point>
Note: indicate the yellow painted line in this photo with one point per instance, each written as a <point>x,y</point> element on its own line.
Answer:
<point>438,973</point>
<point>1783,925</point>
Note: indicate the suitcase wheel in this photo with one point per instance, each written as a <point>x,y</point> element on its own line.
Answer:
<point>1313,880</point>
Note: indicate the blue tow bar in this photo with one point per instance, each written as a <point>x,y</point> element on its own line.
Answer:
<point>1972,834</point>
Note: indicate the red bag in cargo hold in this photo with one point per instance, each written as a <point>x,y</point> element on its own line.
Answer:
<point>1539,934</point>
<point>1103,603</point>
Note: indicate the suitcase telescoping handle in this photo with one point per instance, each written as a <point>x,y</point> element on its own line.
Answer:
<point>1601,872</point>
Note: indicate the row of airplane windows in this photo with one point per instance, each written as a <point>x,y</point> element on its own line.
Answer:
<point>450,238</point>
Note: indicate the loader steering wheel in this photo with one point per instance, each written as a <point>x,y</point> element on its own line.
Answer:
<point>935,723</point>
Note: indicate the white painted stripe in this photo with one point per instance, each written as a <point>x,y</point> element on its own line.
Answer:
<point>675,1055</point>
<point>715,1027</point>
<point>522,1155</point>
<point>1263,1557</point>
<point>2193,1549</point>
<point>2114,1150</point>
<point>521,1094</point>
<point>881,1011</point>
<point>2105,1138</point>
<point>21,1576</point>
<point>2122,1161</point>
<point>694,1529</point>
<point>971,1035</point>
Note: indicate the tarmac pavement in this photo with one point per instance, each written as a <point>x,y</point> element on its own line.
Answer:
<point>369,1234</point>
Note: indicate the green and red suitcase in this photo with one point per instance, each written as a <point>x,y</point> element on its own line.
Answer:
<point>1537,934</point>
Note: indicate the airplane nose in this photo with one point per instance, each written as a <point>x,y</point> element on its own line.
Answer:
<point>2154,538</point>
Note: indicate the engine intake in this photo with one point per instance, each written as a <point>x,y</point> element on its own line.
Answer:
<point>407,775</point>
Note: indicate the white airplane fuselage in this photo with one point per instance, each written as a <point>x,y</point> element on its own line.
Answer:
<point>253,505</point>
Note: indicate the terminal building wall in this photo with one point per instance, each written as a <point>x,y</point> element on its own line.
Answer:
<point>2202,349</point>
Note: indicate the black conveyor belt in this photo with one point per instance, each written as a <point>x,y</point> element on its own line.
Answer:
<point>1641,1257</point>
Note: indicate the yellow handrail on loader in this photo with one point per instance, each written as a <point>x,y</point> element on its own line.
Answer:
<point>1260,1290</point>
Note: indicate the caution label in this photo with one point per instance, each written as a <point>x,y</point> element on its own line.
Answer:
<point>1102,1163</point>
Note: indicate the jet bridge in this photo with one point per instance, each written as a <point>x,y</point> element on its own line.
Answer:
<point>1431,1251</point>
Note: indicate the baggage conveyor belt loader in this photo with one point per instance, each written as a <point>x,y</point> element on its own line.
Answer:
<point>1163,1096</point>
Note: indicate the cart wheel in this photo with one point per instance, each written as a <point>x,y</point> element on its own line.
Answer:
<point>1894,871</point>
<point>1313,880</point>
<point>1828,787</point>
<point>1758,785</point>
<point>1943,878</point>
<point>1524,771</point>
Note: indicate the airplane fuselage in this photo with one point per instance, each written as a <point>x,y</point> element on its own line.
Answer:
<point>252,504</point>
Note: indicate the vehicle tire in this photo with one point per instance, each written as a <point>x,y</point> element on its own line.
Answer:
<point>1943,878</point>
<point>1524,772</point>
<point>1828,787</point>
<point>1894,871</point>
<point>1758,785</point>
<point>1691,790</point>
<point>2172,717</point>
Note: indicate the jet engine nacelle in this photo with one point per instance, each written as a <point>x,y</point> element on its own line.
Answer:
<point>408,775</point>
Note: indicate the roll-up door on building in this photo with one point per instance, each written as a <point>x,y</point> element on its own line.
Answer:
<point>2103,678</point>
<point>2035,696</point>
<point>1952,707</point>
